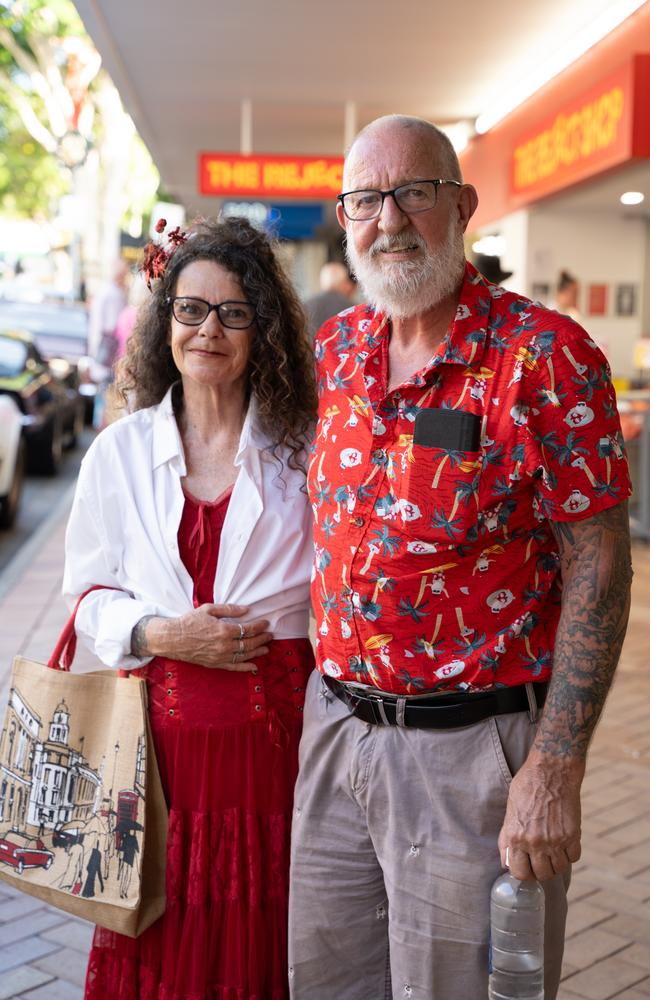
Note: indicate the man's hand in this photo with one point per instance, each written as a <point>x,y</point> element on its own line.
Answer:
<point>542,826</point>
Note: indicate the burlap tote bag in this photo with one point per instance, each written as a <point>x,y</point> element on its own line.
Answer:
<point>83,820</point>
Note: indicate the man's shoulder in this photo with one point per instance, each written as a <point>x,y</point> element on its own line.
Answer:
<point>523,322</point>
<point>350,326</point>
<point>353,318</point>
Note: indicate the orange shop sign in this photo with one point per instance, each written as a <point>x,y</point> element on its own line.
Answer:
<point>589,135</point>
<point>231,175</point>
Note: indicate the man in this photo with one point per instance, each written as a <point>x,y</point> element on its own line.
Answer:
<point>472,564</point>
<point>335,295</point>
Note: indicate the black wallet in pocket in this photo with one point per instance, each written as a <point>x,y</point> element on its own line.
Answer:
<point>454,430</point>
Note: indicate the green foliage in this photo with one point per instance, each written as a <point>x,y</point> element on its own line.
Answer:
<point>31,180</point>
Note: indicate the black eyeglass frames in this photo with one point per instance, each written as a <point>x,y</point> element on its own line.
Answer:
<point>417,196</point>
<point>193,312</point>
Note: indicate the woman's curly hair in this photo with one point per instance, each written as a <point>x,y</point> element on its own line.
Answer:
<point>281,375</point>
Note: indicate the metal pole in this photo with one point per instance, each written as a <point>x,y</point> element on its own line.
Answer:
<point>350,127</point>
<point>246,127</point>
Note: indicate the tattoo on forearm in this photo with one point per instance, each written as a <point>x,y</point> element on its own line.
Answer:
<point>596,575</point>
<point>139,645</point>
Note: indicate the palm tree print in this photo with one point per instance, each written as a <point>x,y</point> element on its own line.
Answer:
<point>389,543</point>
<point>449,526</point>
<point>488,661</point>
<point>464,493</point>
<point>328,526</point>
<point>322,493</point>
<point>606,489</point>
<point>370,609</point>
<point>409,682</point>
<point>406,608</point>
<point>536,662</point>
<point>589,383</point>
<point>493,455</point>
<point>450,455</point>
<point>329,601</point>
<point>571,447</point>
<point>382,583</point>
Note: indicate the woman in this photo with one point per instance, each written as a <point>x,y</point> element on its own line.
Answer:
<point>193,507</point>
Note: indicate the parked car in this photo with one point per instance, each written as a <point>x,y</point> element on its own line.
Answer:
<point>60,330</point>
<point>12,460</point>
<point>21,851</point>
<point>47,395</point>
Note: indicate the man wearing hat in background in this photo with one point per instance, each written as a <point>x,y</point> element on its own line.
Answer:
<point>471,593</point>
<point>490,267</point>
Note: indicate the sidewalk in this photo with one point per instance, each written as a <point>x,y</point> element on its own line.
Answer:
<point>43,951</point>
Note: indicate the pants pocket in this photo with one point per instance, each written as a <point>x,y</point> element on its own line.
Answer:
<point>512,737</point>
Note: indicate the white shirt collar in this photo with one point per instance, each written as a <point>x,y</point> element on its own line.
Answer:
<point>167,443</point>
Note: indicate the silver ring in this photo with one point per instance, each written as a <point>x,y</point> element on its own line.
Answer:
<point>242,630</point>
<point>242,648</point>
<point>507,857</point>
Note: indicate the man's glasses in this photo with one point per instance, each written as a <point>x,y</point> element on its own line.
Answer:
<point>193,312</point>
<point>418,196</point>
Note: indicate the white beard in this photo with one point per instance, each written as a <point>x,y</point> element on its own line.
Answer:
<point>408,288</point>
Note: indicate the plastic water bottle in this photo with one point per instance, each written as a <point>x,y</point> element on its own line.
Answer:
<point>516,940</point>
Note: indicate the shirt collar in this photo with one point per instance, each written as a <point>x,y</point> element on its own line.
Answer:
<point>464,342</point>
<point>167,443</point>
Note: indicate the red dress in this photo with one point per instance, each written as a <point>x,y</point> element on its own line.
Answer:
<point>227,749</point>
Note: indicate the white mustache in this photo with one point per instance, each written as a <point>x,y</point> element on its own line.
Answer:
<point>401,242</point>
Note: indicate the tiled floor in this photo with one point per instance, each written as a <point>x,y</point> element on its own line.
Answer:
<point>42,951</point>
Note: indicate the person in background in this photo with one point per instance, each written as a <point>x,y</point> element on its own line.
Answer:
<point>489,266</point>
<point>192,511</point>
<point>471,591</point>
<point>103,344</point>
<point>105,308</point>
<point>566,296</point>
<point>336,294</point>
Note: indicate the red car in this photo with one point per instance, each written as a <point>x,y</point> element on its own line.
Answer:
<point>21,851</point>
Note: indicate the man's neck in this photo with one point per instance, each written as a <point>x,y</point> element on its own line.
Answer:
<point>414,341</point>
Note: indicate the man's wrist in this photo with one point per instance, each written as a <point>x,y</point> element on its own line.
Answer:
<point>546,754</point>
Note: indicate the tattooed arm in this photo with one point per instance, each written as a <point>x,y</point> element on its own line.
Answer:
<point>542,824</point>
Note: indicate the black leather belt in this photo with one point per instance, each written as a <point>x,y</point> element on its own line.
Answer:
<point>438,712</point>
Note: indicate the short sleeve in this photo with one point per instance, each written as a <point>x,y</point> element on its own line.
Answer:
<point>574,449</point>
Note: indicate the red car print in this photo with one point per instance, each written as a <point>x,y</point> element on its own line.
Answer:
<point>21,851</point>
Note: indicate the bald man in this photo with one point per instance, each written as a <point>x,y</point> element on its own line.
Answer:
<point>471,592</point>
<point>337,289</point>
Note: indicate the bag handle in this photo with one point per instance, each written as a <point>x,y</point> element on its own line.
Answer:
<point>66,647</point>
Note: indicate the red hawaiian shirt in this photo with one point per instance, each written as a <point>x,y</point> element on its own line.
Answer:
<point>435,565</point>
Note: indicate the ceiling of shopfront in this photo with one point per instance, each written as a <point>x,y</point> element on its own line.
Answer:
<point>183,68</point>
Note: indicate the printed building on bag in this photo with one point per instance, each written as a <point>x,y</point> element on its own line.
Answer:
<point>63,787</point>
<point>17,743</point>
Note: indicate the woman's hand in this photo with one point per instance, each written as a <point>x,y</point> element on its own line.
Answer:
<point>201,636</point>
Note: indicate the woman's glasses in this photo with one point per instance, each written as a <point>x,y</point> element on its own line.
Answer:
<point>193,312</point>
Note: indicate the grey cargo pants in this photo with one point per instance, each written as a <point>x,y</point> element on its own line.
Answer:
<point>394,853</point>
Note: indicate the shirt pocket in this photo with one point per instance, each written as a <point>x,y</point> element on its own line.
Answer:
<point>441,496</point>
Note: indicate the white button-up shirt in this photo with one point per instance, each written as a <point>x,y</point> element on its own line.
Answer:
<point>123,530</point>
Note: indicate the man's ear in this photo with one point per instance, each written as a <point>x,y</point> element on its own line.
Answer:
<point>340,215</point>
<point>467,203</point>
